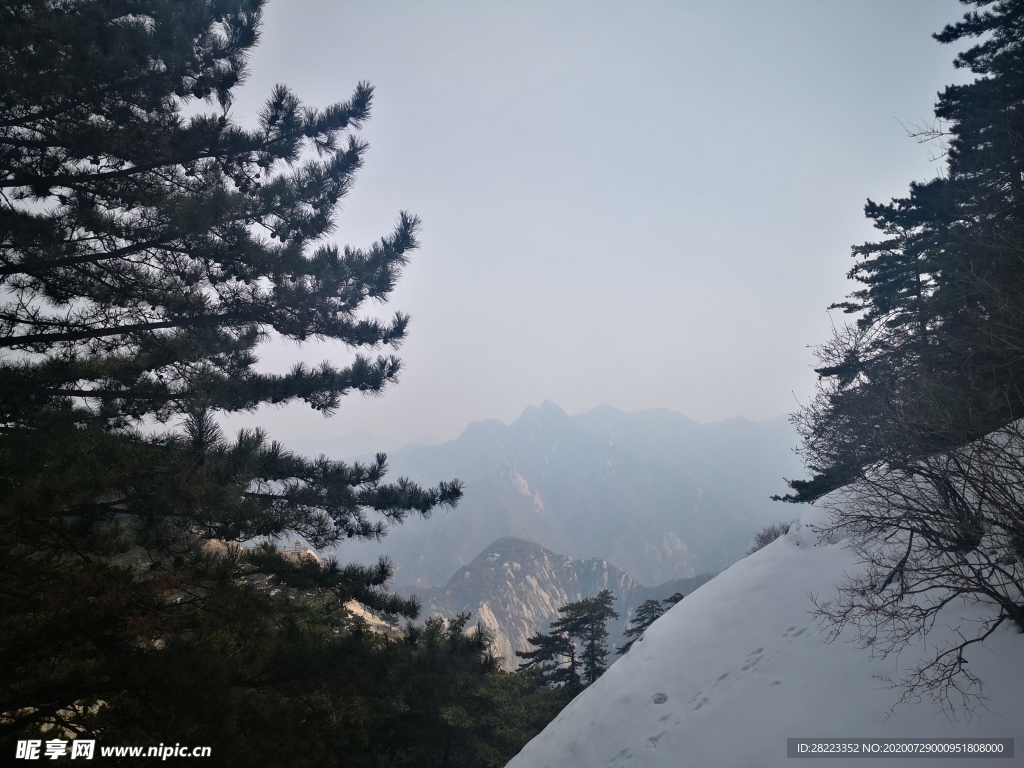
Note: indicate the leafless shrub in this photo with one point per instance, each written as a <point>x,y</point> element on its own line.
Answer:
<point>768,534</point>
<point>943,531</point>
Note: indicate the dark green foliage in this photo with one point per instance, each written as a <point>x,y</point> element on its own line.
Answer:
<point>575,650</point>
<point>915,438</point>
<point>457,707</point>
<point>933,360</point>
<point>588,623</point>
<point>554,656</point>
<point>144,257</point>
<point>648,612</point>
<point>146,254</point>
<point>441,674</point>
<point>316,689</point>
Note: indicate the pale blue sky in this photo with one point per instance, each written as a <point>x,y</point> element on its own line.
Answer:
<point>645,204</point>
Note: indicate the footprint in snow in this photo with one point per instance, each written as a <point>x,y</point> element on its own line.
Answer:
<point>652,743</point>
<point>622,757</point>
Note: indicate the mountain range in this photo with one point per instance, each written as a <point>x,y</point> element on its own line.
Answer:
<point>654,492</point>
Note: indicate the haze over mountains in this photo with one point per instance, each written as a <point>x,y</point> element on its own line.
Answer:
<point>360,443</point>
<point>654,493</point>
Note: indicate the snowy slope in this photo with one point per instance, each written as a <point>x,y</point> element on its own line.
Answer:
<point>740,665</point>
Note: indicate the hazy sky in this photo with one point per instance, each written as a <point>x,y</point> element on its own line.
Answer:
<point>645,204</point>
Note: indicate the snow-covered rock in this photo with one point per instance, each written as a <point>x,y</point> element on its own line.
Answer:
<point>740,665</point>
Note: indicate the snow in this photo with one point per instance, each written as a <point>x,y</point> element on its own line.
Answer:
<point>740,665</point>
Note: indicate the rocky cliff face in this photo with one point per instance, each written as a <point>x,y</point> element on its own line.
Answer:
<point>514,589</point>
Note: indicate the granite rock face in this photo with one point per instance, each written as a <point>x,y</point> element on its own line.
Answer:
<point>514,589</point>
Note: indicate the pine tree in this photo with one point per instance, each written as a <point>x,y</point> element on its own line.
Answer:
<point>446,676</point>
<point>554,655</point>
<point>917,423</point>
<point>148,246</point>
<point>589,619</point>
<point>574,652</point>
<point>933,360</point>
<point>648,612</point>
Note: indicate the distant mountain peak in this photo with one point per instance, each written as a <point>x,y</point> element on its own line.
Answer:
<point>547,410</point>
<point>508,548</point>
<point>507,543</point>
<point>483,427</point>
